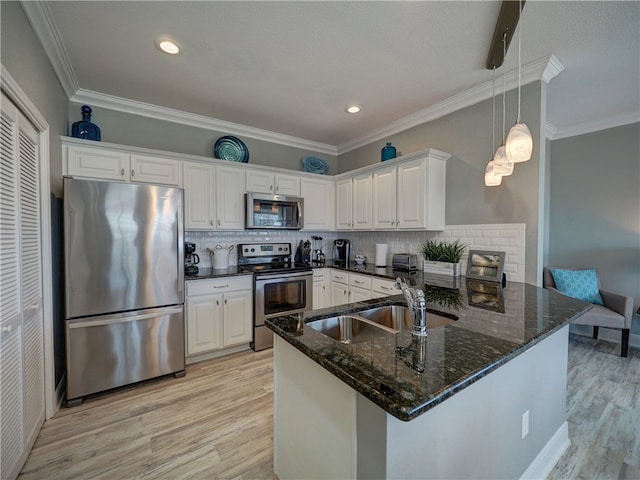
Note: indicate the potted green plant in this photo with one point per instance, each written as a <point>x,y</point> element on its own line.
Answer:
<point>443,257</point>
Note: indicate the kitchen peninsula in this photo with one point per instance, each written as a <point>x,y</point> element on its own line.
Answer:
<point>483,397</point>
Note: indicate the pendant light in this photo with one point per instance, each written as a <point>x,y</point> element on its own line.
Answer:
<point>491,178</point>
<point>519,145</point>
<point>502,163</point>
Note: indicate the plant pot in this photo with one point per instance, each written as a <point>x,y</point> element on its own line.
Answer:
<point>442,268</point>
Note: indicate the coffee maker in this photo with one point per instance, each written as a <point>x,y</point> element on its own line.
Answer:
<point>318,254</point>
<point>191,258</point>
<point>341,251</point>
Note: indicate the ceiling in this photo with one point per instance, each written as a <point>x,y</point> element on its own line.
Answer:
<point>293,67</point>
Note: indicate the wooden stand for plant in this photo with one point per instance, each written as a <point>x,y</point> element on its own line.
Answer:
<point>442,268</point>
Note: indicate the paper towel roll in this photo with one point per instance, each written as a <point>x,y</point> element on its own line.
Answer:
<point>381,254</point>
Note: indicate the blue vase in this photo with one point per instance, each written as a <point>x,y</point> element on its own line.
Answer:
<point>388,152</point>
<point>84,128</point>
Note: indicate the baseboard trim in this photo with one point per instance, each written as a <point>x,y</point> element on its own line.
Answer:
<point>607,334</point>
<point>548,457</point>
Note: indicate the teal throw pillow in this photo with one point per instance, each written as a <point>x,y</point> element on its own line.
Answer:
<point>580,284</point>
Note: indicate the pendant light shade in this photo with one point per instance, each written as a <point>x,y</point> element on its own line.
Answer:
<point>519,143</point>
<point>490,177</point>
<point>519,146</point>
<point>501,164</point>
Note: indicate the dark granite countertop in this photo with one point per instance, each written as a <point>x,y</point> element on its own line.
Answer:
<point>493,326</point>
<point>205,273</point>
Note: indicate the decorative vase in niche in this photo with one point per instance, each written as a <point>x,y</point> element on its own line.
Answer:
<point>388,152</point>
<point>84,128</point>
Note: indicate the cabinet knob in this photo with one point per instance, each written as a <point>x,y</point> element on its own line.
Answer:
<point>122,172</point>
<point>219,223</point>
<point>271,188</point>
<point>217,302</point>
<point>225,301</point>
<point>211,222</point>
<point>133,172</point>
<point>277,189</point>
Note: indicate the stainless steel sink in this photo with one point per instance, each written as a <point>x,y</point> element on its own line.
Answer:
<point>350,328</point>
<point>398,317</point>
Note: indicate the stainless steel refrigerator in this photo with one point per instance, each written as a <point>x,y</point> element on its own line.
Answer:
<point>124,280</point>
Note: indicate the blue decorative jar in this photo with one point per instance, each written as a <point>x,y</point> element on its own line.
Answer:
<point>84,128</point>
<point>388,152</point>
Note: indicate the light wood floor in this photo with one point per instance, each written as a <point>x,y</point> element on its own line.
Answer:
<point>217,423</point>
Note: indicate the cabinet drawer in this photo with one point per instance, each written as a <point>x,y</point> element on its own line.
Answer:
<point>384,286</point>
<point>319,274</point>
<point>360,281</point>
<point>339,276</point>
<point>219,285</point>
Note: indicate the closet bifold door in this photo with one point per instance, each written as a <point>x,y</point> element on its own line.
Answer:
<point>21,309</point>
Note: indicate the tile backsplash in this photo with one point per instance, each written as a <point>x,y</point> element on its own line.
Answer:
<point>506,237</point>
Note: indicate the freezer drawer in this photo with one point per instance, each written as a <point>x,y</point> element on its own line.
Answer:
<point>109,351</point>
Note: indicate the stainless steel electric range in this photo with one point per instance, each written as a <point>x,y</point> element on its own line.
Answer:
<point>280,286</point>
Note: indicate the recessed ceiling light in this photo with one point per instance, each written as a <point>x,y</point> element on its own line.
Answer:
<point>353,109</point>
<point>168,46</point>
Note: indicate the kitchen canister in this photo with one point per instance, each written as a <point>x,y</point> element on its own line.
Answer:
<point>388,152</point>
<point>220,257</point>
<point>381,254</point>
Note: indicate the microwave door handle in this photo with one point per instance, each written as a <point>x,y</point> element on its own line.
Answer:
<point>299,214</point>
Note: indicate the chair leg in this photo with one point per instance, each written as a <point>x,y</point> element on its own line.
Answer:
<point>595,333</point>
<point>624,349</point>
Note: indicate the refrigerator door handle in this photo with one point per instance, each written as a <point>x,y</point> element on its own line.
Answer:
<point>112,320</point>
<point>180,258</point>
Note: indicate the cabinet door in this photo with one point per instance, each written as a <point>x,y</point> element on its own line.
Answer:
<point>97,163</point>
<point>237,318</point>
<point>384,198</point>
<point>339,293</point>
<point>230,198</point>
<point>412,191</point>
<point>344,201</point>
<point>357,294</point>
<point>287,184</point>
<point>146,169</point>
<point>319,203</point>
<point>258,181</point>
<point>319,294</point>
<point>198,196</point>
<point>204,323</point>
<point>362,211</point>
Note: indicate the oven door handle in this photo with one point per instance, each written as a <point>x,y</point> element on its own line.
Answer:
<point>269,276</point>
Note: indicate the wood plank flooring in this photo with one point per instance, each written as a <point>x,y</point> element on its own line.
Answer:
<point>217,422</point>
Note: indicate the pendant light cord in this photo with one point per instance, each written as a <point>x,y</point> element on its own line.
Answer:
<point>519,57</point>
<point>504,84</point>
<point>493,122</point>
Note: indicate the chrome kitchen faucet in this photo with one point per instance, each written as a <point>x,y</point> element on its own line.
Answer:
<point>418,306</point>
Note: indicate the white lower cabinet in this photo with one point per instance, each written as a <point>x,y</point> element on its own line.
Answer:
<point>219,313</point>
<point>383,288</point>
<point>346,287</point>
<point>321,288</point>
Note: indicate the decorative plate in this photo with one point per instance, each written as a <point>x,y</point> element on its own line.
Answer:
<point>231,148</point>
<point>315,165</point>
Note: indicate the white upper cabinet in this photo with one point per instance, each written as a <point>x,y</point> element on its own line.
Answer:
<point>276,183</point>
<point>110,164</point>
<point>319,201</point>
<point>199,201</point>
<point>407,193</point>
<point>97,163</point>
<point>147,169</point>
<point>229,198</point>
<point>344,201</point>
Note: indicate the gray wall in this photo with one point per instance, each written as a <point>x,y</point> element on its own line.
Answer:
<point>595,207</point>
<point>127,129</point>
<point>466,134</point>
<point>25,59</point>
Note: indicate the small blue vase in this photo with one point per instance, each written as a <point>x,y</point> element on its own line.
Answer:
<point>84,128</point>
<point>388,152</point>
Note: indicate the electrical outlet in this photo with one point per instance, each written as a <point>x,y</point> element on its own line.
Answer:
<point>525,424</point>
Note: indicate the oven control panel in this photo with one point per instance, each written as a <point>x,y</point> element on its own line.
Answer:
<point>249,250</point>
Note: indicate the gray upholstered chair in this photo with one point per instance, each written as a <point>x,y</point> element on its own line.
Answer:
<point>615,313</point>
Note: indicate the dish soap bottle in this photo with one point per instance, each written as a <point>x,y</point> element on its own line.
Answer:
<point>84,128</point>
<point>388,152</point>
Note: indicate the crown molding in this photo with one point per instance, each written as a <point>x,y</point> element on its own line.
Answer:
<point>543,69</point>
<point>184,118</point>
<point>42,22</point>
<point>550,131</point>
<point>593,126</point>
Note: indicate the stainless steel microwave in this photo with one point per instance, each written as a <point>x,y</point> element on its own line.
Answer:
<point>279,212</point>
